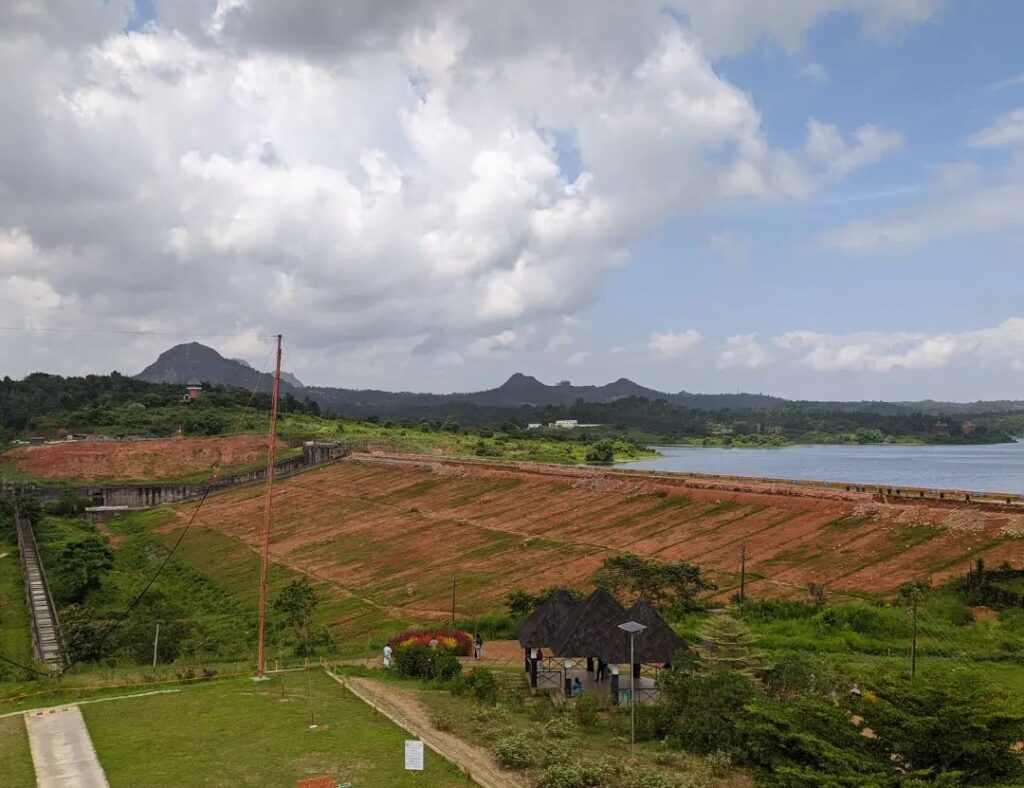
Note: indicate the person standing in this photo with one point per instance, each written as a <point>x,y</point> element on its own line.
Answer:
<point>387,656</point>
<point>478,645</point>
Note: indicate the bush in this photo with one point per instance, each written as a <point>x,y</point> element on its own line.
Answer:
<point>704,711</point>
<point>602,452</point>
<point>647,777</point>
<point>514,752</point>
<point>559,728</point>
<point>585,709</point>
<point>423,662</point>
<point>576,774</point>
<point>481,685</point>
<point>457,642</point>
<point>441,721</point>
<point>796,674</point>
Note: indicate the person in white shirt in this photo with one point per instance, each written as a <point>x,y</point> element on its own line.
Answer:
<point>387,656</point>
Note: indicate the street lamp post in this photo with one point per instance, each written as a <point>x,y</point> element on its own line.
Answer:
<point>632,627</point>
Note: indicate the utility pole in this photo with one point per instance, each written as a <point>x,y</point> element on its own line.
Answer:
<point>156,642</point>
<point>913,641</point>
<point>743,573</point>
<point>271,446</point>
<point>453,601</point>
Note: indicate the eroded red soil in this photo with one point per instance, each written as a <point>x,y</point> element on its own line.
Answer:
<point>394,533</point>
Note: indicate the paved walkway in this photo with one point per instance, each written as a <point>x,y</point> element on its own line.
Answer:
<point>62,750</point>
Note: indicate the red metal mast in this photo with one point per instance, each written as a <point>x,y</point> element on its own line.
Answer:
<point>271,446</point>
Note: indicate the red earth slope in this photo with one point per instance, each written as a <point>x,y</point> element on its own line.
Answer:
<point>392,533</point>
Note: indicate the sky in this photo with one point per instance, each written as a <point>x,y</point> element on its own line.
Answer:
<point>821,199</point>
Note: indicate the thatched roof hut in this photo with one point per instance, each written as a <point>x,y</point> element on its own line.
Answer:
<point>543,625</point>
<point>590,627</point>
<point>657,643</point>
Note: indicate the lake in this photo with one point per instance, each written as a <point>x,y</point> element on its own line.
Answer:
<point>994,468</point>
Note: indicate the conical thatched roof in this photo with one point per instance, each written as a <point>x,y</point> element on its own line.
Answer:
<point>590,627</point>
<point>657,643</point>
<point>541,628</point>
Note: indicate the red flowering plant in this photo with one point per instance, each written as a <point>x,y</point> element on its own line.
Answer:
<point>461,643</point>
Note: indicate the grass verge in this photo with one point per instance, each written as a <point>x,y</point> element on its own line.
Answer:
<point>241,733</point>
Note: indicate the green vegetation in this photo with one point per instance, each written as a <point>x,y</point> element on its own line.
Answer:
<point>658,584</point>
<point>50,405</point>
<point>15,633</point>
<point>236,732</point>
<point>15,757</point>
<point>563,746</point>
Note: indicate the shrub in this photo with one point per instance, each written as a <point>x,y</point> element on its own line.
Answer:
<point>514,752</point>
<point>416,661</point>
<point>585,710</point>
<point>441,721</point>
<point>559,727</point>
<point>459,643</point>
<point>705,710</point>
<point>482,685</point>
<point>575,774</point>
<point>647,777</point>
<point>796,674</point>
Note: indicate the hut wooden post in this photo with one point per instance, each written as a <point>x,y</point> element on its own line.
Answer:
<point>526,659</point>
<point>568,678</point>
<point>534,659</point>
<point>615,684</point>
<point>590,664</point>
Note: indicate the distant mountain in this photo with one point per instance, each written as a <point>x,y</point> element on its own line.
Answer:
<point>195,361</point>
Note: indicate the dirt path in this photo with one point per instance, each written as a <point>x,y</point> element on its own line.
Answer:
<point>403,708</point>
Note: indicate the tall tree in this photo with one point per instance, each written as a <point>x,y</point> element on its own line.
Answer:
<point>728,645</point>
<point>653,582</point>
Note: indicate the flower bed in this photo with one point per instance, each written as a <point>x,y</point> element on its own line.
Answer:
<point>459,642</point>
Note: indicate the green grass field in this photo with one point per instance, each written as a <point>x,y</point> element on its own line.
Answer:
<point>15,758</point>
<point>15,638</point>
<point>240,733</point>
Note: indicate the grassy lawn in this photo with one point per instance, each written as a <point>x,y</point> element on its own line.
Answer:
<point>15,638</point>
<point>15,758</point>
<point>237,732</point>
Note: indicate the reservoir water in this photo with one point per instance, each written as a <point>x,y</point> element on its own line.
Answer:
<point>993,468</point>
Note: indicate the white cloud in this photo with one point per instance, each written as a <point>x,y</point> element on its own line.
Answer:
<point>813,72</point>
<point>673,344</point>
<point>885,352</point>
<point>1008,82</point>
<point>577,358</point>
<point>983,209</point>
<point>1006,131</point>
<point>744,351</point>
<point>825,147</point>
<point>363,174</point>
<point>731,26</point>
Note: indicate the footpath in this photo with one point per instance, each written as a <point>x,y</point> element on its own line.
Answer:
<point>403,708</point>
<point>62,750</point>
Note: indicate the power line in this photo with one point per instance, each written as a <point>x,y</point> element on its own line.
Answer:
<point>22,666</point>
<point>170,554</point>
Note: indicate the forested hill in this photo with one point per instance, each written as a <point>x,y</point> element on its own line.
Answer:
<point>49,405</point>
<point>195,361</point>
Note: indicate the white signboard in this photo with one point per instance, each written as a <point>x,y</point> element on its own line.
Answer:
<point>414,755</point>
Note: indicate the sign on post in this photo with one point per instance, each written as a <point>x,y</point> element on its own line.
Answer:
<point>413,755</point>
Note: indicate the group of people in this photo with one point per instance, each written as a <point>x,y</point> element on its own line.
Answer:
<point>478,649</point>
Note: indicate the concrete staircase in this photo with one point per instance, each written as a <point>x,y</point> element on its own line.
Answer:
<point>46,634</point>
